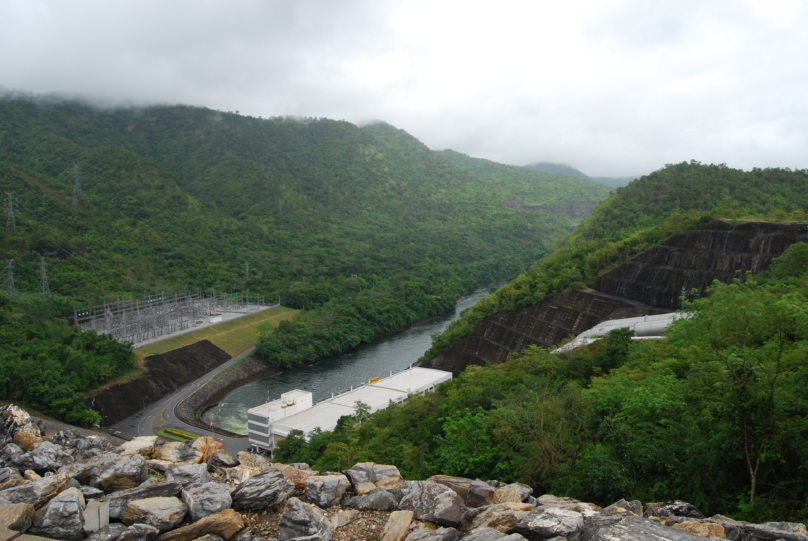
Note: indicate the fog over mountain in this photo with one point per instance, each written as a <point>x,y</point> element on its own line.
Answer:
<point>614,90</point>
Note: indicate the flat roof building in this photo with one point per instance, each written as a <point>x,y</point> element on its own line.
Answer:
<point>271,422</point>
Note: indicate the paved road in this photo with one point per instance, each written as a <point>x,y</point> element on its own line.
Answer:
<point>161,414</point>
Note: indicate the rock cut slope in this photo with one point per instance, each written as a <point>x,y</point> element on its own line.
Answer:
<point>651,283</point>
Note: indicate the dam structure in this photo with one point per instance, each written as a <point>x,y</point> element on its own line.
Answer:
<point>294,410</point>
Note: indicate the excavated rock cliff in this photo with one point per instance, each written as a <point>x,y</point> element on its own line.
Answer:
<point>694,258</point>
<point>545,324</point>
<point>651,283</point>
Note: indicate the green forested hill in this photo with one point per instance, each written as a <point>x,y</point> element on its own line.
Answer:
<point>365,228</point>
<point>531,186</point>
<point>638,216</point>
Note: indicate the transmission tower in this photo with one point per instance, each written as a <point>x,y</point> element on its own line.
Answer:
<point>76,185</point>
<point>44,290</point>
<point>246,270</point>
<point>11,223</point>
<point>10,280</point>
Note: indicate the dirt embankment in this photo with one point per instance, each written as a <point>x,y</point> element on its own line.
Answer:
<point>165,373</point>
<point>207,396</point>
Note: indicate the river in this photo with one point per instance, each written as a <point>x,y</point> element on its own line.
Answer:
<point>393,351</point>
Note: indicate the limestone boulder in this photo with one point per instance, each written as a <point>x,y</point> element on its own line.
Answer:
<point>152,488</point>
<point>459,484</point>
<point>110,532</point>
<point>220,461</point>
<point>705,529</point>
<point>501,516</point>
<point>240,473</point>
<point>62,517</point>
<point>15,419</point>
<point>433,502</point>
<point>479,494</point>
<point>326,490</point>
<point>206,499</point>
<point>441,534</point>
<point>7,452</point>
<point>25,440</point>
<point>548,522</point>
<point>188,474</point>
<point>297,476</point>
<point>344,517</point>
<point>378,499</point>
<point>676,508</point>
<point>128,472</point>
<point>635,507</point>
<point>484,534</point>
<point>91,493</point>
<point>225,524</point>
<point>301,519</point>
<point>262,491</point>
<point>37,493</point>
<point>251,460</point>
<point>187,452</point>
<point>398,526</point>
<point>514,493</point>
<point>210,537</point>
<point>793,527</point>
<point>595,522</point>
<point>72,439</point>
<point>164,513</point>
<point>109,472</point>
<point>142,445</point>
<point>365,476</point>
<point>640,529</point>
<point>44,457</point>
<point>139,532</point>
<point>18,517</point>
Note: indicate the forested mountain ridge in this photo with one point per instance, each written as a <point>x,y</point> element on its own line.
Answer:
<point>636,217</point>
<point>531,186</point>
<point>365,228</point>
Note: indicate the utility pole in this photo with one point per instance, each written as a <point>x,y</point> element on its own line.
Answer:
<point>43,279</point>
<point>11,223</point>
<point>10,280</point>
<point>76,185</point>
<point>280,208</point>
<point>246,270</point>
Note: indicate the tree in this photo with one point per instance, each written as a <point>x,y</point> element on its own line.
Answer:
<point>749,337</point>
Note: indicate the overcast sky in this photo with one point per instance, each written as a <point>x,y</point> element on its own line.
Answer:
<point>610,87</point>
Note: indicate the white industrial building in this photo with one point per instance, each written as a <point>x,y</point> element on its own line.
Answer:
<point>271,422</point>
<point>644,327</point>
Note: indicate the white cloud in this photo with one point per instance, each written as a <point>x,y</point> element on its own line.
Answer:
<point>611,88</point>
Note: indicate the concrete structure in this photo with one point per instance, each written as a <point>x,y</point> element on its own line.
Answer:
<point>271,422</point>
<point>644,327</point>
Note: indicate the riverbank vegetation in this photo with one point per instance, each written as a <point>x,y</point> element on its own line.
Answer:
<point>715,414</point>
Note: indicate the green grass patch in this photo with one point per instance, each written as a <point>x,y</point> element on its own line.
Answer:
<point>232,336</point>
<point>175,434</point>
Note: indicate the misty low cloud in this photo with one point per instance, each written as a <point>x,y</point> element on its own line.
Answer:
<point>615,89</point>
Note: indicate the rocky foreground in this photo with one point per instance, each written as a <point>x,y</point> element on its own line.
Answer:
<point>77,487</point>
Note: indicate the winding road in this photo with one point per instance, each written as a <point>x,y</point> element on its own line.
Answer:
<point>161,414</point>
